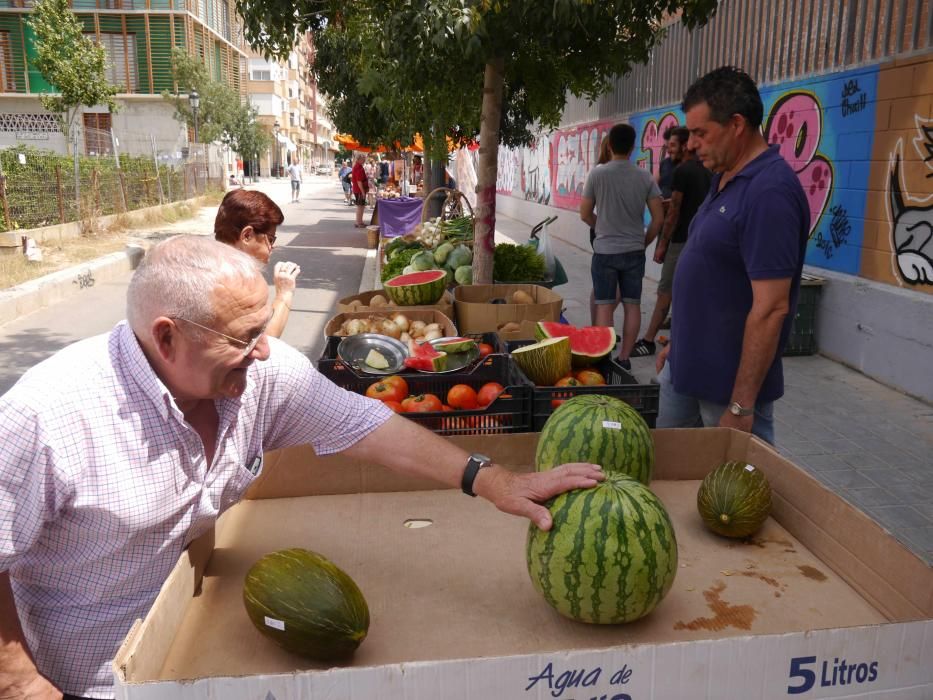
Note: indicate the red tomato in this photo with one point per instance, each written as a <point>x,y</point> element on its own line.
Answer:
<point>484,349</point>
<point>568,381</point>
<point>384,391</point>
<point>394,405</point>
<point>462,396</point>
<point>560,397</point>
<point>446,408</point>
<point>423,403</point>
<point>398,382</point>
<point>488,393</point>
<point>590,377</point>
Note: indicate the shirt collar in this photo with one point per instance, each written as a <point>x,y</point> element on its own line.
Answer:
<point>752,167</point>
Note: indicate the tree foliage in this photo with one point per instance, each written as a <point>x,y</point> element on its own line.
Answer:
<point>70,61</point>
<point>222,115</point>
<point>456,68</point>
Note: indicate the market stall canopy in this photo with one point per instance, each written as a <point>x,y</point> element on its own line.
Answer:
<point>417,145</point>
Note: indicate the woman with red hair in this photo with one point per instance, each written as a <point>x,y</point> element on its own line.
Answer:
<point>247,219</point>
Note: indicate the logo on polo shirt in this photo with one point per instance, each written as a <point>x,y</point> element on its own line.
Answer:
<point>722,210</point>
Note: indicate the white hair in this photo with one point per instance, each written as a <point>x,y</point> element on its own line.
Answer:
<point>178,278</point>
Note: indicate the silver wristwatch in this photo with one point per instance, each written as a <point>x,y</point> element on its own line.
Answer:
<point>736,409</point>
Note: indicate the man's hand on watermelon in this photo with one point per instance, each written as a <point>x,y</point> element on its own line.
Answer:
<point>522,494</point>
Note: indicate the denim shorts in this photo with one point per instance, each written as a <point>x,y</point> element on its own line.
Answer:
<point>618,271</point>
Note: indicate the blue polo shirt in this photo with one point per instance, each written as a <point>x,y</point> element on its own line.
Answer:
<point>756,228</point>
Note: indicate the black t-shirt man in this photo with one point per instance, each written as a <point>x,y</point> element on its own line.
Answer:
<point>692,180</point>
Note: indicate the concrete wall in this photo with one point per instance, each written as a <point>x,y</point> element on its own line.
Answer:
<point>861,143</point>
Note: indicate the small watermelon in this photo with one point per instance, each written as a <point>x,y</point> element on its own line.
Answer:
<point>734,499</point>
<point>544,363</point>
<point>588,345</point>
<point>600,430</point>
<point>306,604</point>
<point>610,555</point>
<point>417,288</point>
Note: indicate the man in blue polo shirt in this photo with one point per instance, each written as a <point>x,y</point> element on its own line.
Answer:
<point>736,284</point>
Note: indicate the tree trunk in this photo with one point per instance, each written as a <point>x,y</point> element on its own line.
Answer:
<point>486,177</point>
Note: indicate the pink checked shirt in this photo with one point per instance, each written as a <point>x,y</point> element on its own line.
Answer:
<point>103,484</point>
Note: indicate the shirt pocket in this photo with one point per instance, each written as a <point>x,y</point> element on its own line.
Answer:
<point>241,480</point>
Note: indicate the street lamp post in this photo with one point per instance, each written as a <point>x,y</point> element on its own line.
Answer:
<point>275,130</point>
<point>194,99</point>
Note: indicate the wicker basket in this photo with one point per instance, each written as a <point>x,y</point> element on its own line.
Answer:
<point>455,204</point>
<point>372,237</point>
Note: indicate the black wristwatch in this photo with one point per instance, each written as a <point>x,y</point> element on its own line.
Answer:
<point>476,462</point>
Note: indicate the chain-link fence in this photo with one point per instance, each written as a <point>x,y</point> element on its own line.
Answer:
<point>104,175</point>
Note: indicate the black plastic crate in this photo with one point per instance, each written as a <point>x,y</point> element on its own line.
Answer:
<point>330,347</point>
<point>509,413</point>
<point>620,384</point>
<point>802,338</point>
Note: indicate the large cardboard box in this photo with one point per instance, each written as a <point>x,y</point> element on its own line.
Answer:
<point>476,315</point>
<point>820,603</point>
<point>445,305</point>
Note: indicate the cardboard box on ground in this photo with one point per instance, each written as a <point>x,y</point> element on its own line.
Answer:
<point>821,602</point>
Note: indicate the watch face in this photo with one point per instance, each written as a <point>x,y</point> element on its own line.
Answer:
<point>480,457</point>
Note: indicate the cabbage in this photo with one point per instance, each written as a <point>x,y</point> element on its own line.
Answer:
<point>423,261</point>
<point>459,256</point>
<point>441,253</point>
<point>464,274</point>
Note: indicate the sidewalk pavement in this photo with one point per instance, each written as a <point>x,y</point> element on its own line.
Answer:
<point>870,444</point>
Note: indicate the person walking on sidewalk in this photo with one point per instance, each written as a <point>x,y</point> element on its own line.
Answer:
<point>620,191</point>
<point>123,448</point>
<point>294,173</point>
<point>345,182</point>
<point>360,183</point>
<point>689,187</point>
<point>247,220</point>
<point>736,285</point>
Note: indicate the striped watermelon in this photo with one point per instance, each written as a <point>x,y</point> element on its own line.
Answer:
<point>306,604</point>
<point>734,499</point>
<point>610,556</point>
<point>417,288</point>
<point>601,430</point>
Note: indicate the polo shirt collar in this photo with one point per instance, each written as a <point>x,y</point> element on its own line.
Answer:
<point>753,167</point>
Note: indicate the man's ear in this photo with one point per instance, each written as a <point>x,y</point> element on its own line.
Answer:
<point>165,337</point>
<point>247,233</point>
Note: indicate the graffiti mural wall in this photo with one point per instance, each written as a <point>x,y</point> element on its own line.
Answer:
<point>861,146</point>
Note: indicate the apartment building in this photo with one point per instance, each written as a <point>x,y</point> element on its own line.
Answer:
<point>138,36</point>
<point>291,109</point>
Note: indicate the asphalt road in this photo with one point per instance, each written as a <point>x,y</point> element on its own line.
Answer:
<point>318,235</point>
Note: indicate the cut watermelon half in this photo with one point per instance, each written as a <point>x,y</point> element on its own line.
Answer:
<point>588,345</point>
<point>455,345</point>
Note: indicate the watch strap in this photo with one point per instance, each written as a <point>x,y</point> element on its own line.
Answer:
<point>738,410</point>
<point>474,464</point>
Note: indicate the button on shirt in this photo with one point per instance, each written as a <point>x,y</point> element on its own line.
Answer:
<point>756,228</point>
<point>103,484</point>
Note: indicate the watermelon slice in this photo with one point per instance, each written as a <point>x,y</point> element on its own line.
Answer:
<point>425,358</point>
<point>455,345</point>
<point>588,345</point>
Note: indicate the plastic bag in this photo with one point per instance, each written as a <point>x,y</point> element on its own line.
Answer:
<point>546,249</point>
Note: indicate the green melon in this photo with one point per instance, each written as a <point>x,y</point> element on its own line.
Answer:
<point>417,288</point>
<point>306,604</point>
<point>610,555</point>
<point>601,430</point>
<point>734,499</point>
<point>544,363</point>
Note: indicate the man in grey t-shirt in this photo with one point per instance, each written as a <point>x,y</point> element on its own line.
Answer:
<point>620,191</point>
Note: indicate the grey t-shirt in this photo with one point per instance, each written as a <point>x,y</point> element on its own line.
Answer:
<point>621,190</point>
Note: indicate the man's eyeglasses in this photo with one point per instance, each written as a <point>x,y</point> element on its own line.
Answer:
<point>269,236</point>
<point>248,346</point>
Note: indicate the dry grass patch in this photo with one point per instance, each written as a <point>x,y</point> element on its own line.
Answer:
<point>15,269</point>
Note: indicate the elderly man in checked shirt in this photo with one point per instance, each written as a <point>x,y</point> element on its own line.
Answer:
<point>121,449</point>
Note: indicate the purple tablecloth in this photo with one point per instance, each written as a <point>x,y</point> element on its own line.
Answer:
<point>398,216</point>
